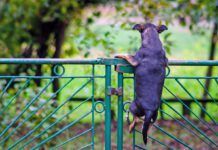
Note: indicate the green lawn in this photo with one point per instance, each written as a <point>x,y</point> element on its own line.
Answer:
<point>186,45</point>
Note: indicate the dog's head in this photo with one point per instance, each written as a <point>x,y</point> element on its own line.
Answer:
<point>143,27</point>
<point>149,34</point>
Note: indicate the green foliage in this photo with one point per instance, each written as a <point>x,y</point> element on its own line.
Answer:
<point>187,12</point>
<point>20,23</point>
<point>194,14</point>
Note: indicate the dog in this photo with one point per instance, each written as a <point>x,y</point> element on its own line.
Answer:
<point>149,68</point>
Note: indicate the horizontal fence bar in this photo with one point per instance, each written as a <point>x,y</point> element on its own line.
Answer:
<point>100,61</point>
<point>98,76</point>
<point>49,77</point>
<point>171,100</point>
<point>47,61</point>
<point>184,77</point>
<point>193,62</point>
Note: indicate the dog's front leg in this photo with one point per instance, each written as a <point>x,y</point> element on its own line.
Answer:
<point>128,58</point>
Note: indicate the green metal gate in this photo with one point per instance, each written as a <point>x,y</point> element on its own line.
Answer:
<point>32,117</point>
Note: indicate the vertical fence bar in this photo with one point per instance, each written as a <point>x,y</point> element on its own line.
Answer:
<point>93,107</point>
<point>133,139</point>
<point>120,114</point>
<point>107,108</point>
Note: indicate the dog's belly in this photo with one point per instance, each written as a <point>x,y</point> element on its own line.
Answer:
<point>149,83</point>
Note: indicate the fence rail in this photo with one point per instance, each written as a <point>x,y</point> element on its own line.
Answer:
<point>101,61</point>
<point>32,116</point>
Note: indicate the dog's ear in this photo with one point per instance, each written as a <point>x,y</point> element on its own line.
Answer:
<point>139,27</point>
<point>161,28</point>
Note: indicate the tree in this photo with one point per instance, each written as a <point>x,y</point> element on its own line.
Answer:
<point>32,28</point>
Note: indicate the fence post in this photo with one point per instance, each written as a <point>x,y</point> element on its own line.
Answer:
<point>107,108</point>
<point>120,114</point>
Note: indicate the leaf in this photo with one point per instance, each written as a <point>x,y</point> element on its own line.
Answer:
<point>167,35</point>
<point>106,34</point>
<point>90,20</point>
<point>97,14</point>
<point>86,54</point>
<point>167,48</point>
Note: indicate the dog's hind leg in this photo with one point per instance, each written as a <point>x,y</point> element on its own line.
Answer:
<point>147,121</point>
<point>133,124</point>
<point>136,112</point>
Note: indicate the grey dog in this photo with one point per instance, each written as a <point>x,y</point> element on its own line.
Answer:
<point>150,63</point>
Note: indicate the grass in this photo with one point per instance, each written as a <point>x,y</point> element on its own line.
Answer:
<point>186,45</point>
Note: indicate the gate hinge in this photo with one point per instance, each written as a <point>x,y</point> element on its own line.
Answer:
<point>115,91</point>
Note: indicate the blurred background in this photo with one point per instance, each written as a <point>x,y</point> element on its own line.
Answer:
<point>100,28</point>
<point>81,29</point>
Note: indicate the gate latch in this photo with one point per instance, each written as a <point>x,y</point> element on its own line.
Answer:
<point>115,91</point>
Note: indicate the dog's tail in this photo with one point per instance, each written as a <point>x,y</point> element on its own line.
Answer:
<point>147,121</point>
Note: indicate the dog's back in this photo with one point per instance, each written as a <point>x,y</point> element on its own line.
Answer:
<point>149,76</point>
<point>150,72</point>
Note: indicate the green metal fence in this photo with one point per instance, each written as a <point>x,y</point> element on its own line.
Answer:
<point>35,117</point>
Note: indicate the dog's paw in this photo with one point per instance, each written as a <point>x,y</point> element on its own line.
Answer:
<point>120,55</point>
<point>134,63</point>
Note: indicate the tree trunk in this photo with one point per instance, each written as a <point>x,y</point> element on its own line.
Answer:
<point>27,53</point>
<point>42,53</point>
<point>210,68</point>
<point>45,30</point>
<point>59,38</point>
